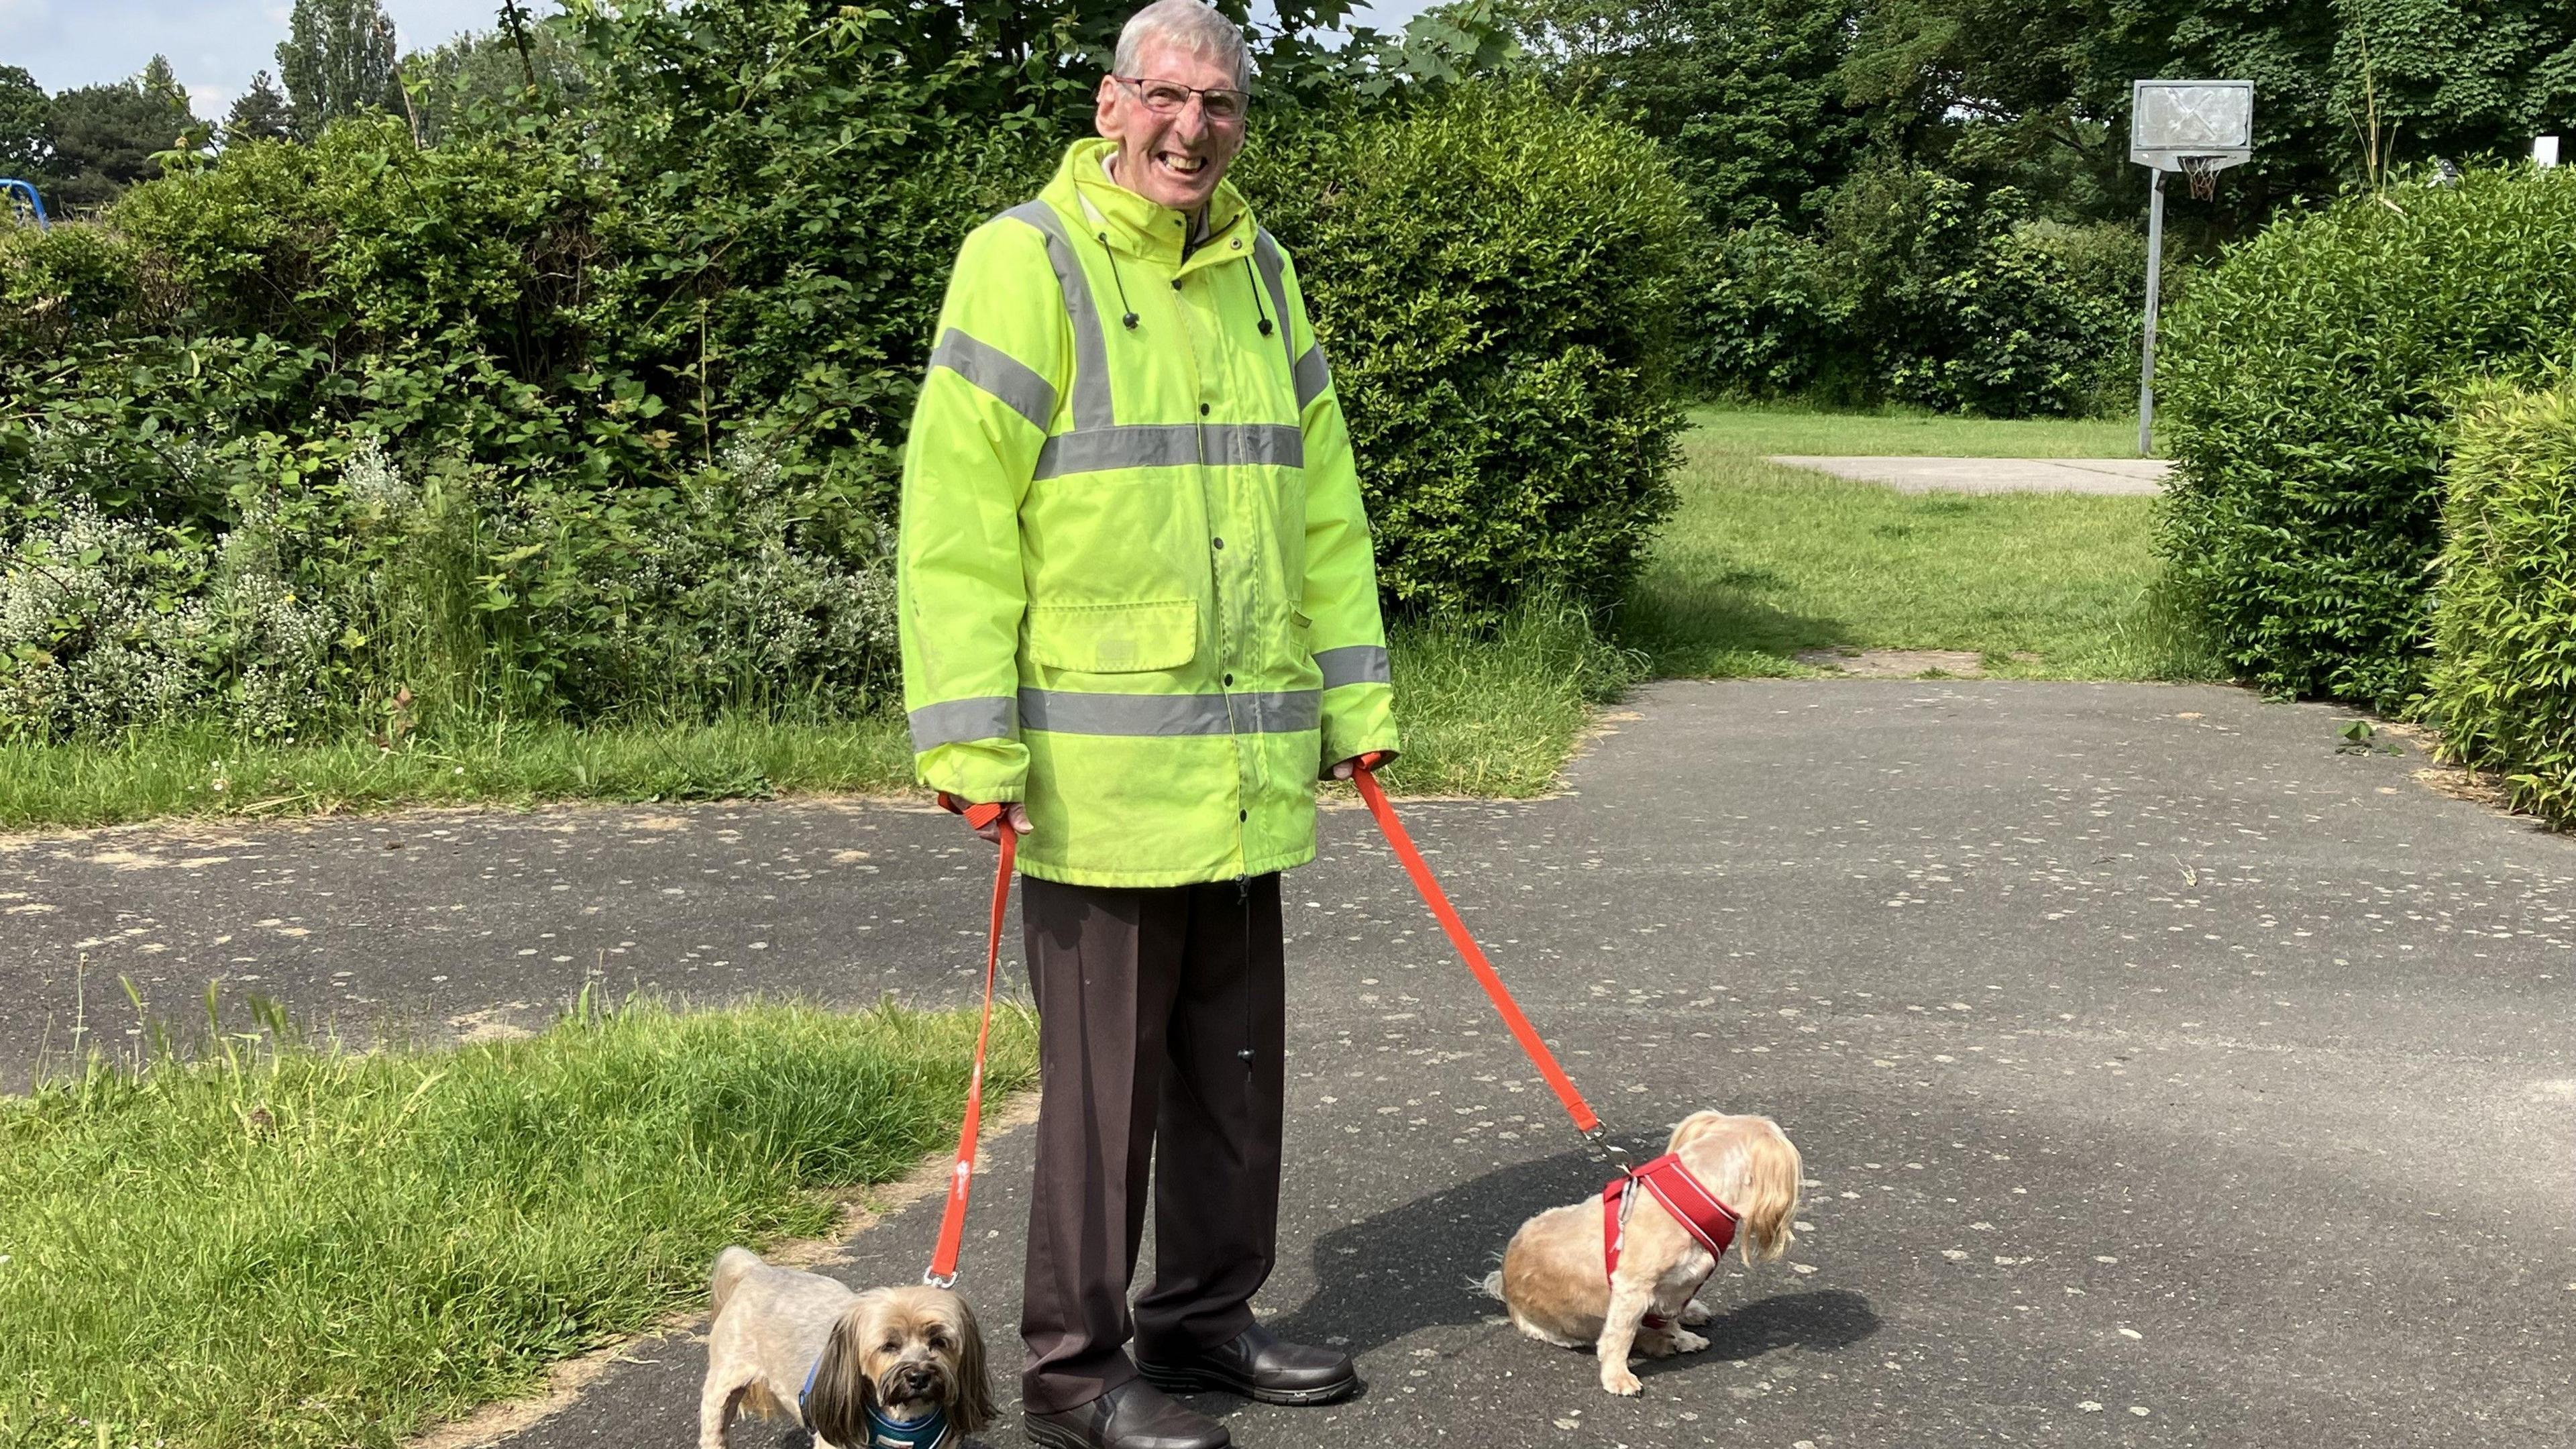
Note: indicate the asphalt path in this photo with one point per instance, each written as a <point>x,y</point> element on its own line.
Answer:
<point>2165,1076</point>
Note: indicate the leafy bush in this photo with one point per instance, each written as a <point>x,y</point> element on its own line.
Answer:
<point>1919,290</point>
<point>2307,395</point>
<point>600,417</point>
<point>353,593</point>
<point>1494,276</point>
<point>2503,682</point>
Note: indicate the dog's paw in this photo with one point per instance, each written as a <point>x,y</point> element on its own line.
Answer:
<point>1695,1313</point>
<point>1618,1380</point>
<point>1654,1344</point>
<point>1685,1341</point>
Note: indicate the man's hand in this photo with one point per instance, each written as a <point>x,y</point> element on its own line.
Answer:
<point>1352,766</point>
<point>1015,813</point>
<point>991,830</point>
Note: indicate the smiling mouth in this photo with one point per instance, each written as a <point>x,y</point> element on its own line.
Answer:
<point>1180,165</point>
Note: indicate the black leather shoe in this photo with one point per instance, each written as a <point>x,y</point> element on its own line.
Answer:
<point>1258,1366</point>
<point>1134,1415</point>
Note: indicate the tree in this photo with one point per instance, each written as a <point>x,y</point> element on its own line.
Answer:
<point>2457,79</point>
<point>103,139</point>
<point>160,83</point>
<point>1746,94</point>
<point>480,75</point>
<point>261,114</point>
<point>337,60</point>
<point>24,112</point>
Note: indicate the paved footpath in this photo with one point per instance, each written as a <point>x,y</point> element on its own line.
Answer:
<point>2133,476</point>
<point>2164,1076</point>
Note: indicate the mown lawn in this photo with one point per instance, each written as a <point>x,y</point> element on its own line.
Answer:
<point>1761,561</point>
<point>311,1247</point>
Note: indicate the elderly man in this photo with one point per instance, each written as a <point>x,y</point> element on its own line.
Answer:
<point>1139,609</point>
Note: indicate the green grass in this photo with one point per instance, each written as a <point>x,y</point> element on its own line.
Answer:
<point>1896,433</point>
<point>1762,561</point>
<point>1495,711</point>
<point>209,772</point>
<point>312,1247</point>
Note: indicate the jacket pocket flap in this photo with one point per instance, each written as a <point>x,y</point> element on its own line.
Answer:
<point>1114,638</point>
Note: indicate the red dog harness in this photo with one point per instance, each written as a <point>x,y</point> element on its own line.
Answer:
<point>1710,1222</point>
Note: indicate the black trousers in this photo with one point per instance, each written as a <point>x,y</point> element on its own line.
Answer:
<point>1160,1026</point>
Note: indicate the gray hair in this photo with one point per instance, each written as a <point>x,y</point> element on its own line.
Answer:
<point>1193,25</point>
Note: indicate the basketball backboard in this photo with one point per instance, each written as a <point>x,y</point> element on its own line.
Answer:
<point>2172,119</point>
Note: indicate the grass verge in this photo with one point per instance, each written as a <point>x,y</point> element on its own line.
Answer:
<point>1905,433</point>
<point>1763,561</point>
<point>185,772</point>
<point>1495,710</point>
<point>312,1247</point>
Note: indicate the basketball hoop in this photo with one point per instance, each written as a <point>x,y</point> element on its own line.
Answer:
<point>2198,128</point>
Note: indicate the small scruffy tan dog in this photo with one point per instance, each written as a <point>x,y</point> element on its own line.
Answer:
<point>1555,1278</point>
<point>890,1366</point>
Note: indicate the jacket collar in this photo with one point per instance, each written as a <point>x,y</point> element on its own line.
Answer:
<point>1135,226</point>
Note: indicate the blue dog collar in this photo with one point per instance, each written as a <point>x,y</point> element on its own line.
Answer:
<point>883,1433</point>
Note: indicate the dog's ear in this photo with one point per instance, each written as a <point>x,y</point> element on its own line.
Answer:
<point>1695,1125</point>
<point>1771,1174</point>
<point>844,1391</point>
<point>974,1406</point>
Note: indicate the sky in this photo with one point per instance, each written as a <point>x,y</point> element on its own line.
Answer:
<point>216,45</point>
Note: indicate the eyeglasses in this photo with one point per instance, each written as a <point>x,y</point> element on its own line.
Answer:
<point>1170,98</point>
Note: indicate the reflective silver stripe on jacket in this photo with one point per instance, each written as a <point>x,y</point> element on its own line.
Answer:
<point>1066,712</point>
<point>1170,445</point>
<point>962,721</point>
<point>1354,664</point>
<point>1091,404</point>
<point>1312,376</point>
<point>1008,379</point>
<point>1274,272</point>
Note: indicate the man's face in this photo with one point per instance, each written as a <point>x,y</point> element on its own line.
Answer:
<point>1173,159</point>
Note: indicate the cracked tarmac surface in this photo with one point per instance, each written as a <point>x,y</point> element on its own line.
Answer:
<point>2164,1076</point>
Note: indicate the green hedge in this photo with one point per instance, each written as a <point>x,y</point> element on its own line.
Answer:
<point>1919,290</point>
<point>1495,276</point>
<point>2306,396</point>
<point>2503,687</point>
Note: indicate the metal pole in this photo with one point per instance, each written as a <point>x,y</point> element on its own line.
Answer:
<point>2147,347</point>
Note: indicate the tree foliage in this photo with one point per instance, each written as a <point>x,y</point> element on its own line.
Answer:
<point>260,113</point>
<point>478,81</point>
<point>102,139</point>
<point>337,60</point>
<point>26,114</point>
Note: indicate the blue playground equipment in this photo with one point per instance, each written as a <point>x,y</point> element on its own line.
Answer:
<point>22,200</point>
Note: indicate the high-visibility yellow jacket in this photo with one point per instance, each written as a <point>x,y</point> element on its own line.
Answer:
<point>1136,583</point>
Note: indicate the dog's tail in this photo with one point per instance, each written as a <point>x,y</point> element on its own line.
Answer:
<point>1771,1175</point>
<point>731,1265</point>
<point>1493,1286</point>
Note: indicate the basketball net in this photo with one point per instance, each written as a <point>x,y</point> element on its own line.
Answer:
<point>2202,172</point>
